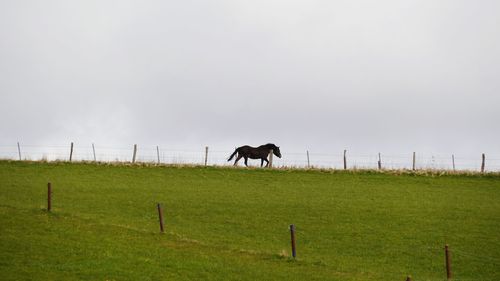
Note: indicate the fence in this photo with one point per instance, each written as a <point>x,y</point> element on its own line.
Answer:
<point>207,156</point>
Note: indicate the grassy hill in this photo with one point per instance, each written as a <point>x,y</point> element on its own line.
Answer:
<point>232,224</point>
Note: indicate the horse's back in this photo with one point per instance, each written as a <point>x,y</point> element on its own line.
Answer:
<point>245,147</point>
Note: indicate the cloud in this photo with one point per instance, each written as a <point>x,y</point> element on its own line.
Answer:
<point>385,75</point>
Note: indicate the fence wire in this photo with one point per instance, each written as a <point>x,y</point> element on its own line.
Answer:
<point>306,159</point>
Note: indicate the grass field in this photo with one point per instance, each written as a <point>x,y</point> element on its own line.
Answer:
<point>232,224</point>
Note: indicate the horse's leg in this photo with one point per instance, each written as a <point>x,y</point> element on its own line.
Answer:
<point>261,162</point>
<point>237,159</point>
<point>246,161</point>
<point>267,162</point>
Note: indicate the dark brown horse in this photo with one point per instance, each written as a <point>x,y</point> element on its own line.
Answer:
<point>260,152</point>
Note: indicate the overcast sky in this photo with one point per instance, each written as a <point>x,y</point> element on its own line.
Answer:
<point>392,76</point>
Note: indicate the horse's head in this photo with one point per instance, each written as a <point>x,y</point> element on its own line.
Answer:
<point>276,151</point>
<point>274,148</point>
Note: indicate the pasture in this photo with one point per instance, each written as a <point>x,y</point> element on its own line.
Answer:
<point>232,223</point>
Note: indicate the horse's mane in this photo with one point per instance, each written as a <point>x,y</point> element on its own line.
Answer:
<point>269,145</point>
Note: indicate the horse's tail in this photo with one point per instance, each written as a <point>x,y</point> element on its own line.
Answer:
<point>232,155</point>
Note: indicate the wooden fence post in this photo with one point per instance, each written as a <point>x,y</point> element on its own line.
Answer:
<point>19,150</point>
<point>49,196</point>
<point>93,150</point>
<point>308,163</point>
<point>379,162</point>
<point>158,153</point>
<point>345,160</point>
<point>206,155</point>
<point>414,156</point>
<point>292,238</point>
<point>453,161</point>
<point>135,153</point>
<point>448,262</point>
<point>160,215</point>
<point>482,163</point>
<point>270,164</point>
<point>71,153</point>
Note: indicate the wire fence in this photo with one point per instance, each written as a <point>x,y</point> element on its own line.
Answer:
<point>458,258</point>
<point>305,159</point>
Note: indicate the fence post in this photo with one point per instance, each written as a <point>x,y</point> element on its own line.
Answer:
<point>71,153</point>
<point>379,162</point>
<point>292,237</point>
<point>270,164</point>
<point>448,262</point>
<point>158,153</point>
<point>19,150</point>
<point>345,160</point>
<point>135,153</point>
<point>414,156</point>
<point>49,196</point>
<point>453,161</point>
<point>93,150</point>
<point>482,163</point>
<point>206,155</point>
<point>160,215</point>
<point>308,163</point>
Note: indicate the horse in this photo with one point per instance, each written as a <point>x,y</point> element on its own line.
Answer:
<point>260,152</point>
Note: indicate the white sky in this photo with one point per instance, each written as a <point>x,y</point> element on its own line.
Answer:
<point>369,76</point>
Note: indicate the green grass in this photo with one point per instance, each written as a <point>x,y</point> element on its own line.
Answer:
<point>232,224</point>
